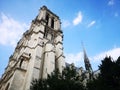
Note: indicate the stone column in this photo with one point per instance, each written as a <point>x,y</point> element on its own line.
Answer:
<point>49,60</point>
<point>60,59</point>
<point>49,22</point>
<point>57,24</point>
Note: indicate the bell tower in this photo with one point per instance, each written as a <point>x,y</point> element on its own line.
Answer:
<point>38,53</point>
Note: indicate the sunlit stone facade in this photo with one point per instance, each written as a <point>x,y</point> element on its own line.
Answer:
<point>38,53</point>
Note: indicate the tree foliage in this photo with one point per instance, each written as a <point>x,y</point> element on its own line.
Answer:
<point>67,80</point>
<point>109,77</point>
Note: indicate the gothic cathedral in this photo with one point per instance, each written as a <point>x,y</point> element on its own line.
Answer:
<point>38,53</point>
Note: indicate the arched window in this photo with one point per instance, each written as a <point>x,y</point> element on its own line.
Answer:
<point>45,33</point>
<point>52,23</point>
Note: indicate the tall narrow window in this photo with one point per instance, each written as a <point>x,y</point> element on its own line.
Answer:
<point>52,38</point>
<point>21,62</point>
<point>47,19</point>
<point>52,23</point>
<point>45,33</point>
<point>56,62</point>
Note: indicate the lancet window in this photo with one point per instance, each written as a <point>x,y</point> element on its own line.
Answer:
<point>52,23</point>
<point>47,19</point>
<point>21,62</point>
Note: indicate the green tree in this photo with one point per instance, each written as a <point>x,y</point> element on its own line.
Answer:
<point>109,77</point>
<point>39,85</point>
<point>68,80</point>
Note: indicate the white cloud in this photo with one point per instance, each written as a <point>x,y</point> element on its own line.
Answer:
<point>77,58</point>
<point>114,53</point>
<point>78,19</point>
<point>10,30</point>
<point>111,2</point>
<point>91,24</point>
<point>65,23</point>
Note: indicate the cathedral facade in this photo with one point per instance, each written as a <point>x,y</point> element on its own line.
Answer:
<point>38,53</point>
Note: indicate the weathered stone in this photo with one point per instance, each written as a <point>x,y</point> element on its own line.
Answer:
<point>36,54</point>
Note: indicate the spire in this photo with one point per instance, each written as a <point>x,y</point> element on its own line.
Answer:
<point>86,61</point>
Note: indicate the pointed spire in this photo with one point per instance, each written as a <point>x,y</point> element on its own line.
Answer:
<point>86,61</point>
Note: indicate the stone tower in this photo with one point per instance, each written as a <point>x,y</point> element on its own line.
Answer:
<point>89,71</point>
<point>87,61</point>
<point>38,53</point>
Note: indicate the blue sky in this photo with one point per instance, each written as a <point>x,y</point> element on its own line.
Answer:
<point>93,22</point>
